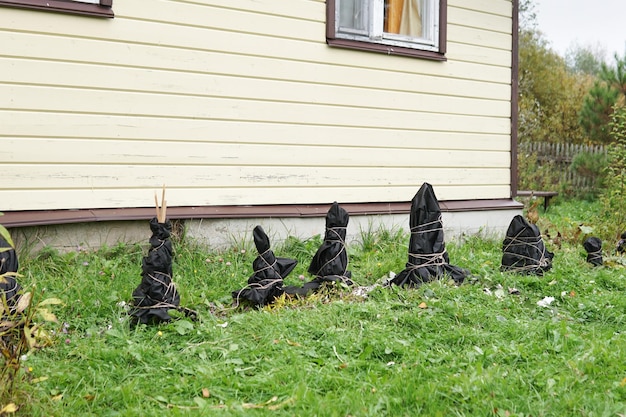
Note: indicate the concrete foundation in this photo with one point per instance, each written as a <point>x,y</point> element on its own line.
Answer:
<point>221,234</point>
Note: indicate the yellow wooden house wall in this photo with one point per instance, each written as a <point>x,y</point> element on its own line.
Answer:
<point>241,102</point>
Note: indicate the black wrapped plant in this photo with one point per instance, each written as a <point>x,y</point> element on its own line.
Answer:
<point>330,262</point>
<point>593,246</point>
<point>266,282</point>
<point>428,258</point>
<point>523,249</point>
<point>9,287</point>
<point>156,294</point>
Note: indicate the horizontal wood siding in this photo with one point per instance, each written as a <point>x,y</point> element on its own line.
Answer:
<point>241,102</point>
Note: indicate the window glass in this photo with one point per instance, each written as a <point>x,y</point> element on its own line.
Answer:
<point>353,16</point>
<point>411,24</point>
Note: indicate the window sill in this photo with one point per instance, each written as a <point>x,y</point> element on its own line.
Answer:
<point>385,49</point>
<point>84,9</point>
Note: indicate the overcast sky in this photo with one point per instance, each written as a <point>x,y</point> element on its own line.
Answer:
<point>596,23</point>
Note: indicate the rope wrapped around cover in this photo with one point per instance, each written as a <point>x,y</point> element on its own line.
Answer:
<point>524,250</point>
<point>428,257</point>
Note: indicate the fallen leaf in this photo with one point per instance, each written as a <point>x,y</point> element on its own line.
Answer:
<point>422,305</point>
<point>572,293</point>
<point>9,408</point>
<point>281,404</point>
<point>271,400</point>
<point>46,315</point>
<point>23,302</point>
<point>50,301</point>
<point>290,343</point>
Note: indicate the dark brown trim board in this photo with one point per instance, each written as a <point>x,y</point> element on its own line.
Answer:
<point>50,217</point>
<point>514,96</point>
<point>71,7</point>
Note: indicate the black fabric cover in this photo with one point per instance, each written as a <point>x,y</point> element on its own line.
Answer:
<point>9,287</point>
<point>266,282</point>
<point>428,258</point>
<point>523,249</point>
<point>156,294</point>
<point>330,262</point>
<point>593,246</point>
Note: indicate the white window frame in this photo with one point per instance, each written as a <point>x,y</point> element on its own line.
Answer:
<point>374,11</point>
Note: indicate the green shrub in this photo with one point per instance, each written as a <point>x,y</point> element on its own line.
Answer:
<point>533,175</point>
<point>590,168</point>
<point>613,197</point>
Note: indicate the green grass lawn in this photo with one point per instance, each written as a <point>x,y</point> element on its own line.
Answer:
<point>485,348</point>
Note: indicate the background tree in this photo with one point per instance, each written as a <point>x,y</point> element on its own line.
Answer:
<point>585,59</point>
<point>608,91</point>
<point>550,95</point>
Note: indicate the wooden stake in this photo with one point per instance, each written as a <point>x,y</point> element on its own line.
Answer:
<point>163,205</point>
<point>161,211</point>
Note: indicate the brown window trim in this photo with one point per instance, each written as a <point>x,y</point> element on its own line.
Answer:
<point>104,9</point>
<point>332,40</point>
<point>54,217</point>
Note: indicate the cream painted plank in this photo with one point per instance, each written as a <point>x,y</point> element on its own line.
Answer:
<point>121,198</point>
<point>72,177</point>
<point>145,32</point>
<point>498,7</point>
<point>479,54</point>
<point>302,9</point>
<point>479,20</point>
<point>23,71</point>
<point>189,154</point>
<point>87,126</point>
<point>109,54</point>
<point>229,19</point>
<point>480,37</point>
<point>20,97</point>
